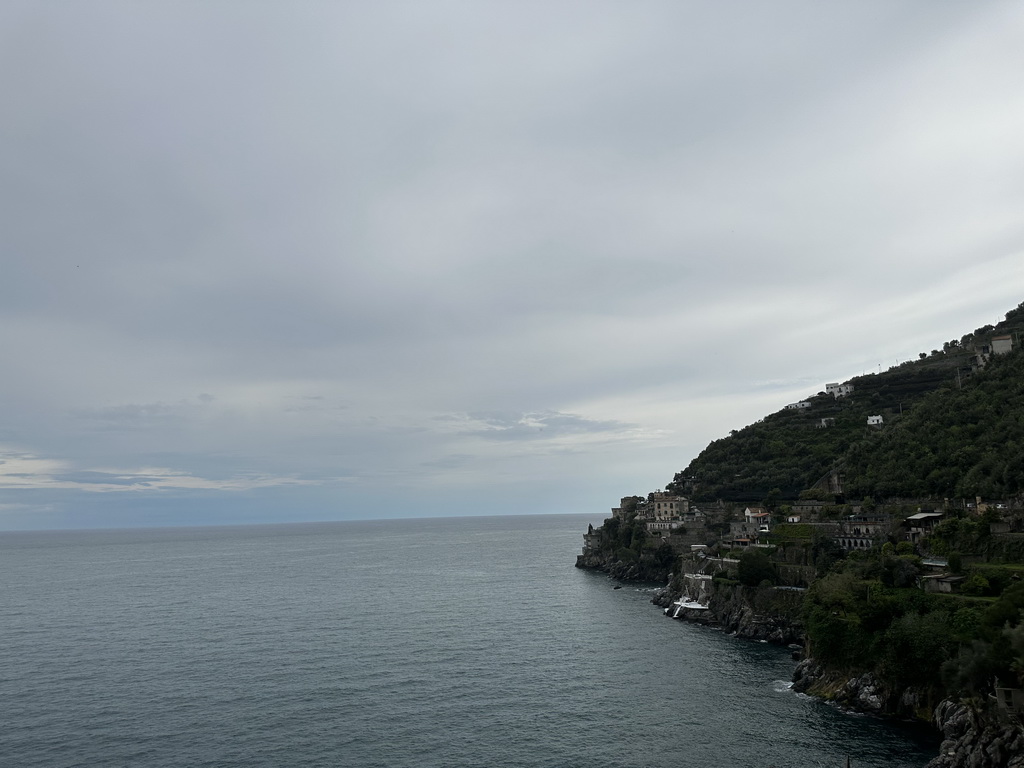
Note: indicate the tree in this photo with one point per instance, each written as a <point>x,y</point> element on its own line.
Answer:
<point>956,565</point>
<point>976,584</point>
<point>755,566</point>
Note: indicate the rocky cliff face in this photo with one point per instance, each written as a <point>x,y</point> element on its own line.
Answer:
<point>757,613</point>
<point>643,569</point>
<point>861,693</point>
<point>976,738</point>
<point>973,736</point>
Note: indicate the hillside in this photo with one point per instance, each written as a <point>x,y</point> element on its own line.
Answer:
<point>952,427</point>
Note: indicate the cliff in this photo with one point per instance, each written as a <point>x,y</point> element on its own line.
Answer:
<point>976,737</point>
<point>914,600</point>
<point>758,613</point>
<point>643,568</point>
<point>861,691</point>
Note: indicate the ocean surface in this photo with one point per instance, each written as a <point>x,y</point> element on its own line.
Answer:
<point>442,642</point>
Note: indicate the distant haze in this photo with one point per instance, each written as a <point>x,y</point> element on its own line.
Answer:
<point>307,261</point>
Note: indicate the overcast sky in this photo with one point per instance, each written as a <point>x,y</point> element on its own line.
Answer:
<point>269,261</point>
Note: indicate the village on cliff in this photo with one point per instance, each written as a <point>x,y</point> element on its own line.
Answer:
<point>905,605</point>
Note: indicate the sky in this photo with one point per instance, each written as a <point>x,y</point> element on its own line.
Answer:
<point>271,261</point>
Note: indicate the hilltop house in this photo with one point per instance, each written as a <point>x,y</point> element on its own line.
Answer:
<point>1002,344</point>
<point>838,390</point>
<point>798,406</point>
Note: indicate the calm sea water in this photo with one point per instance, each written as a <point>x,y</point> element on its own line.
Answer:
<point>455,642</point>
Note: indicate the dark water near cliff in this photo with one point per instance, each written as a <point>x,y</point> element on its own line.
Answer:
<point>457,643</point>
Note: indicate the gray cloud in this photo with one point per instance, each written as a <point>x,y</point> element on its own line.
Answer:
<point>533,426</point>
<point>360,259</point>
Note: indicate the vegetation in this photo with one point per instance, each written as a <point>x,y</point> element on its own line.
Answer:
<point>950,430</point>
<point>867,614</point>
<point>627,538</point>
<point>756,568</point>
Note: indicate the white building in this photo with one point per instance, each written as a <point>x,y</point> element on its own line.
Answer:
<point>1001,344</point>
<point>838,390</point>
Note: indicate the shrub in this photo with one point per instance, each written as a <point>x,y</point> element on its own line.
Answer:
<point>755,567</point>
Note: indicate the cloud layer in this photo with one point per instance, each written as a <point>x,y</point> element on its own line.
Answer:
<point>316,261</point>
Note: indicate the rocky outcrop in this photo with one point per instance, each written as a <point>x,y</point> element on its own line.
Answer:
<point>860,693</point>
<point>976,737</point>
<point>757,613</point>
<point>644,569</point>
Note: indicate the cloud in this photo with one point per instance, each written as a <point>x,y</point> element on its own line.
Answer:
<point>23,471</point>
<point>351,259</point>
<point>538,426</point>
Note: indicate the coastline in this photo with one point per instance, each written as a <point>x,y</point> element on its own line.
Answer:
<point>972,735</point>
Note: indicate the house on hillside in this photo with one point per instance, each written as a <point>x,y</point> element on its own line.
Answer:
<point>626,504</point>
<point>758,518</point>
<point>745,533</point>
<point>693,516</point>
<point>862,530</point>
<point>1002,344</point>
<point>838,390</point>
<point>799,406</point>
<point>662,526</point>
<point>941,582</point>
<point>920,525</point>
<point>875,421</point>
<point>826,423</point>
<point>665,506</point>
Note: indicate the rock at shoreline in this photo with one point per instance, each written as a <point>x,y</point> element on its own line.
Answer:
<point>976,738</point>
<point>755,613</point>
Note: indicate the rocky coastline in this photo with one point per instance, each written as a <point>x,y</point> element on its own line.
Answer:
<point>977,737</point>
<point>756,613</point>
<point>974,734</point>
<point>644,569</point>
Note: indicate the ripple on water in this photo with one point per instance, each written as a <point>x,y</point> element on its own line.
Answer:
<point>449,643</point>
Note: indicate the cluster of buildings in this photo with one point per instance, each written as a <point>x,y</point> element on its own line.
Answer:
<point>665,514</point>
<point>661,512</point>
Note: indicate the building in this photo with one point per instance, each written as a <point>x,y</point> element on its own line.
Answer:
<point>1002,344</point>
<point>663,506</point>
<point>875,421</point>
<point>653,526</point>
<point>838,390</point>
<point>860,531</point>
<point>758,518</point>
<point>798,406</point>
<point>921,524</point>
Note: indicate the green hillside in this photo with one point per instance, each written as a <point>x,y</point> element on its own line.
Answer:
<point>951,429</point>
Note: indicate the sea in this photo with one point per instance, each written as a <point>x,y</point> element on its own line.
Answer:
<point>460,642</point>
